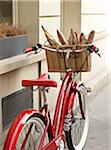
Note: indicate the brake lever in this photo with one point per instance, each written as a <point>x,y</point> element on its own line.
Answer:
<point>38,48</point>
<point>33,50</point>
<point>98,54</point>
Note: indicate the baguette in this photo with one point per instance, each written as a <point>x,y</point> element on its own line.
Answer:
<point>82,39</point>
<point>50,38</point>
<point>91,36</point>
<point>72,38</point>
<point>61,38</point>
<point>76,37</point>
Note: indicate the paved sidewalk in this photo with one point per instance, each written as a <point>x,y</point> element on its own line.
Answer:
<point>100,121</point>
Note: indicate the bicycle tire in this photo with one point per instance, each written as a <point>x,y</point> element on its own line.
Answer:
<point>77,135</point>
<point>33,127</point>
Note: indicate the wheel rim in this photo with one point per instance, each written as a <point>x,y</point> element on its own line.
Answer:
<point>34,128</point>
<point>79,129</point>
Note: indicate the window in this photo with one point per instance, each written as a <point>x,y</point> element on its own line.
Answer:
<point>6,11</point>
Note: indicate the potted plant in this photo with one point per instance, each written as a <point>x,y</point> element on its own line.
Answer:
<point>13,39</point>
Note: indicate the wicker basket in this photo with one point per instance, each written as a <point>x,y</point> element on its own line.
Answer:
<point>78,61</point>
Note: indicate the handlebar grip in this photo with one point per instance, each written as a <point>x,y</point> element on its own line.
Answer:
<point>33,48</point>
<point>30,49</point>
<point>27,50</point>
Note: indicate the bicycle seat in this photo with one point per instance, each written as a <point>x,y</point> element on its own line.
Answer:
<point>43,80</point>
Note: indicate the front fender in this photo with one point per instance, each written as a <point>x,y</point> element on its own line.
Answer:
<point>16,128</point>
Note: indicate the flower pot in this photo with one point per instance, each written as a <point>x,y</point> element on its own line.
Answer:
<point>12,46</point>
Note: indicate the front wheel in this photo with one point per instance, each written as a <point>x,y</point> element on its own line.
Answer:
<point>26,135</point>
<point>77,135</point>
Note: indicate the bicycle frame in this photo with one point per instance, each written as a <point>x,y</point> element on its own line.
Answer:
<point>65,102</point>
<point>62,100</point>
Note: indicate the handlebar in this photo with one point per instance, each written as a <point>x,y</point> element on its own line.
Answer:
<point>33,48</point>
<point>90,48</point>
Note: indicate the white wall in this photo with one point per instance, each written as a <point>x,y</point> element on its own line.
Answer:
<point>108,55</point>
<point>49,17</point>
<point>94,17</point>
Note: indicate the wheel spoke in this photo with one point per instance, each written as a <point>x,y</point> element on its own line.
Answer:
<point>30,135</point>
<point>79,128</point>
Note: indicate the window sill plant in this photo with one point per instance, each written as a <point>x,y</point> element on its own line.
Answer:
<point>13,40</point>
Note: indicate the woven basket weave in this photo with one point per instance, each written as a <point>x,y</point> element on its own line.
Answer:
<point>77,61</point>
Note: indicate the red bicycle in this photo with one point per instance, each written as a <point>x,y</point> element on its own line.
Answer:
<point>34,129</point>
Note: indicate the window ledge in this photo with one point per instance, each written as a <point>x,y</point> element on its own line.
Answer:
<point>10,64</point>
